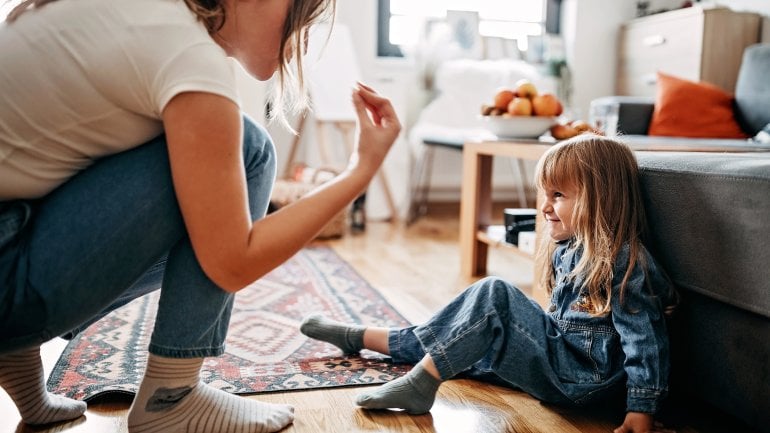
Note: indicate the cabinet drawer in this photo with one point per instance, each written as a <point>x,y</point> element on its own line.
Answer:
<point>638,77</point>
<point>695,43</point>
<point>664,39</point>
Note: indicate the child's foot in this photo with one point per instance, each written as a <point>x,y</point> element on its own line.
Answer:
<point>22,377</point>
<point>414,393</point>
<point>349,338</point>
<point>168,402</point>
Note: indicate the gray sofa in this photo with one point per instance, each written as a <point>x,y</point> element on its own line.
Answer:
<point>709,214</point>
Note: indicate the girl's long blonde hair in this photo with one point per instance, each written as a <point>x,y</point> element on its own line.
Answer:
<point>608,212</point>
<point>290,93</point>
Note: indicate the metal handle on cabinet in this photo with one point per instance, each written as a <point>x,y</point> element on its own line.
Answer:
<point>650,79</point>
<point>654,40</point>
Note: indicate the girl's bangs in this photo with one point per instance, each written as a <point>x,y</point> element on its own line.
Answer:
<point>557,169</point>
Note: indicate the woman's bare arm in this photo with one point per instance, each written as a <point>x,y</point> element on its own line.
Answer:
<point>204,141</point>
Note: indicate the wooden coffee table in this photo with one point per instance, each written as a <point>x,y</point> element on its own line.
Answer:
<point>476,232</point>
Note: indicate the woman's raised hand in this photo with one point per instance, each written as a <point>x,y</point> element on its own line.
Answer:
<point>378,128</point>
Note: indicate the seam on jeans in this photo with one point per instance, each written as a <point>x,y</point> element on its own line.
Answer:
<point>470,328</point>
<point>397,342</point>
<point>475,325</point>
<point>646,392</point>
<point>440,349</point>
<point>569,325</point>
<point>588,396</point>
<point>196,352</point>
<point>188,348</point>
<point>589,353</point>
<point>16,343</point>
<point>525,332</point>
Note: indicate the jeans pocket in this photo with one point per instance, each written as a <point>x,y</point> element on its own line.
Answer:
<point>14,216</point>
<point>582,359</point>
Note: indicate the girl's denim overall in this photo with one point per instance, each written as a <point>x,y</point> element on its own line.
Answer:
<point>564,355</point>
<point>110,234</point>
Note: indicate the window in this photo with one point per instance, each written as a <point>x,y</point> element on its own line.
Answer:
<point>385,46</point>
<point>5,8</point>
<point>403,22</point>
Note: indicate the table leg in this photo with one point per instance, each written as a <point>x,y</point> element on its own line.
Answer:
<point>475,211</point>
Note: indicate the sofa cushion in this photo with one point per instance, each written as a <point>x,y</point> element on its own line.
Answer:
<point>685,108</point>
<point>752,90</point>
<point>709,216</point>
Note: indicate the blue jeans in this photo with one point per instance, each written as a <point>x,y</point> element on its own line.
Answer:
<point>494,332</point>
<point>110,234</point>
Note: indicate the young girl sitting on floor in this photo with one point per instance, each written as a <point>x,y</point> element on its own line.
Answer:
<point>605,324</point>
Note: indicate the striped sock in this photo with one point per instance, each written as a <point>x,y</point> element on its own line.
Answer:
<point>349,338</point>
<point>22,377</point>
<point>172,399</point>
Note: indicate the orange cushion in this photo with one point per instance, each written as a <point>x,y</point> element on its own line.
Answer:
<point>686,108</point>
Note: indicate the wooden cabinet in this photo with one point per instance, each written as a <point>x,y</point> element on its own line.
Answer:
<point>696,43</point>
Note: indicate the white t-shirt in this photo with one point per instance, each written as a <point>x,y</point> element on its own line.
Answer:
<point>82,79</point>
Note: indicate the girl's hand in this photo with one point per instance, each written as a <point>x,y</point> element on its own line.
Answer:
<point>637,422</point>
<point>378,129</point>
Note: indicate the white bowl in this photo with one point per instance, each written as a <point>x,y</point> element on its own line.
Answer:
<point>518,126</point>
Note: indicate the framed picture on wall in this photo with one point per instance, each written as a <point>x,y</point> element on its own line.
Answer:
<point>464,27</point>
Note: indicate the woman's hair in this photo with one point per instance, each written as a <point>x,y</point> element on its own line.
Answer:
<point>608,211</point>
<point>290,90</point>
<point>23,7</point>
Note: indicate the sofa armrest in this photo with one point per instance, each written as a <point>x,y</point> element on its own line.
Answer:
<point>634,112</point>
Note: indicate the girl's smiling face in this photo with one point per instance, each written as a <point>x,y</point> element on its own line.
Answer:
<point>558,208</point>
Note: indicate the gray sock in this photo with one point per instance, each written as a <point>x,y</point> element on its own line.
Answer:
<point>349,338</point>
<point>414,393</point>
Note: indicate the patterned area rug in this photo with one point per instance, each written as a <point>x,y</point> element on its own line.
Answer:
<point>265,350</point>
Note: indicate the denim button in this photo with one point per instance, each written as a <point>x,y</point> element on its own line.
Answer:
<point>552,308</point>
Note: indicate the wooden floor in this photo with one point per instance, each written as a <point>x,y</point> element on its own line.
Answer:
<point>417,269</point>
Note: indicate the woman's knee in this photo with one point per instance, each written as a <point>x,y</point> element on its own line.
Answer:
<point>259,161</point>
<point>258,149</point>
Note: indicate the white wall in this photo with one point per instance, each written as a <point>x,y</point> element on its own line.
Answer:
<point>392,78</point>
<point>590,31</point>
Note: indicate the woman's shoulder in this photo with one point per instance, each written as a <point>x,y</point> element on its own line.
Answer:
<point>136,12</point>
<point>160,14</point>
<point>112,28</point>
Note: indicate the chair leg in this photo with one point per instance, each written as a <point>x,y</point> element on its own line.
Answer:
<point>418,205</point>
